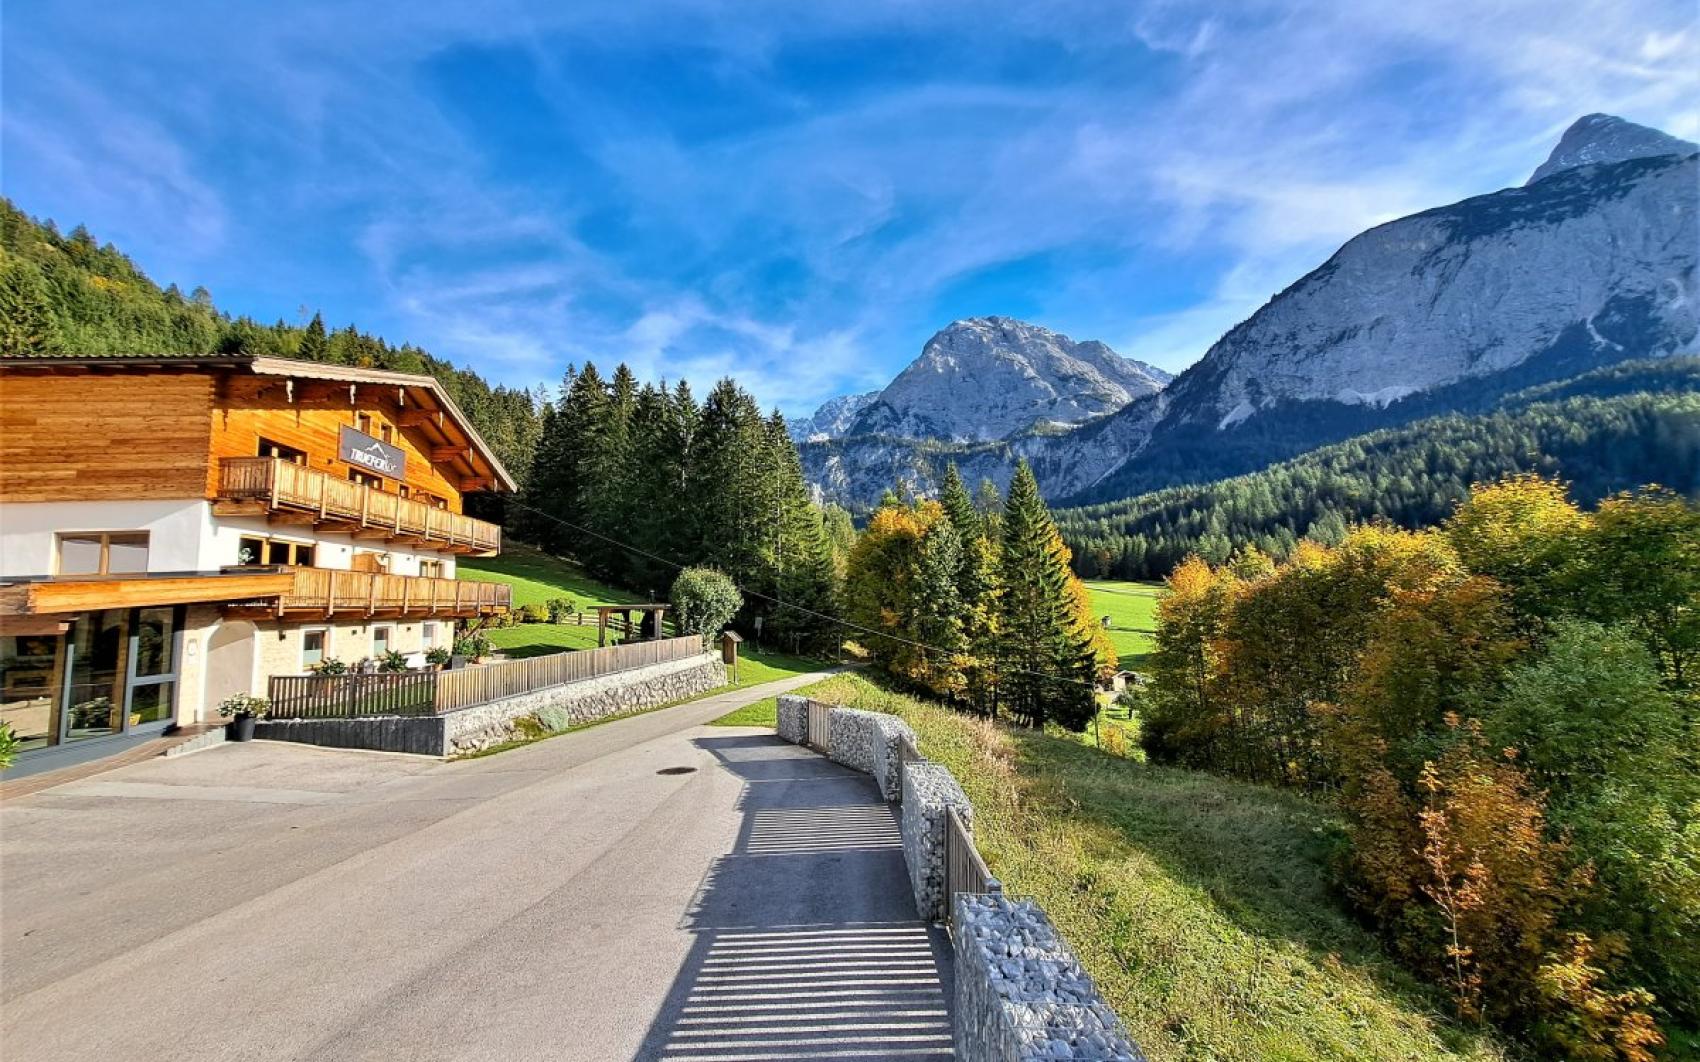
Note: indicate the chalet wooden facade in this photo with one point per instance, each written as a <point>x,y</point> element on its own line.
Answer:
<point>174,530</point>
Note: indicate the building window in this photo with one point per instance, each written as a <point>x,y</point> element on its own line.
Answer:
<point>429,634</point>
<point>432,569</point>
<point>257,550</point>
<point>384,433</point>
<point>363,422</point>
<point>314,643</point>
<point>366,479</point>
<point>382,638</point>
<point>268,448</point>
<point>103,553</point>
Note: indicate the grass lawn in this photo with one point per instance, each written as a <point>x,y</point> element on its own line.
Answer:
<point>1200,905</point>
<point>1132,609</point>
<point>536,577</point>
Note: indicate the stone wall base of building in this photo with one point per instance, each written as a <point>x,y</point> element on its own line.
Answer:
<point>485,725</point>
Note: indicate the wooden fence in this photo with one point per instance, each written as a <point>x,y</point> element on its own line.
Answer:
<point>964,870</point>
<point>429,692</point>
<point>352,696</point>
<point>819,729</point>
<point>481,685</point>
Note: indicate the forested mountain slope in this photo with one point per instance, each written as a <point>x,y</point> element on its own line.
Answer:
<point>1609,430</point>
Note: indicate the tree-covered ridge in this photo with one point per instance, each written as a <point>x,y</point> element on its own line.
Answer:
<point>70,294</point>
<point>1634,423</point>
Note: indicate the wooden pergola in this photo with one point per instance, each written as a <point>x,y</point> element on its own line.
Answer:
<point>650,628</point>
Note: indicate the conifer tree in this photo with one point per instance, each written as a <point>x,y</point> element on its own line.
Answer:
<point>26,322</point>
<point>605,489</point>
<point>805,574</point>
<point>314,343</point>
<point>1046,664</point>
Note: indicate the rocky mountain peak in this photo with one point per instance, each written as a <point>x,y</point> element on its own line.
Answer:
<point>985,378</point>
<point>1596,138</point>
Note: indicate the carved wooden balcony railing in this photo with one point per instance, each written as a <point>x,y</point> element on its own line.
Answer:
<point>283,490</point>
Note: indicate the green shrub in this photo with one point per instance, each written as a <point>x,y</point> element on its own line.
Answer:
<point>473,644</point>
<point>330,665</point>
<point>559,608</point>
<point>438,655</point>
<point>392,663</point>
<point>533,614</point>
<point>705,600</point>
<point>8,746</point>
<point>555,718</point>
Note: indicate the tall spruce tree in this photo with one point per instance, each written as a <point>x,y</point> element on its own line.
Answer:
<point>314,343</point>
<point>606,488</point>
<point>26,321</point>
<point>806,576</point>
<point>1046,666</point>
<point>729,452</point>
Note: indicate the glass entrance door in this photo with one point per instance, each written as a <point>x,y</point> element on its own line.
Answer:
<point>94,696</point>
<point>123,672</point>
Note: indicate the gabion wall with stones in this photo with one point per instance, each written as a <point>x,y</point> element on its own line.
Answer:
<point>888,765</point>
<point>929,791</point>
<point>484,725</point>
<point>1021,994</point>
<point>850,737</point>
<point>793,718</point>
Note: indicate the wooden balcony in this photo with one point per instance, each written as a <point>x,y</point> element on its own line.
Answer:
<point>286,492</point>
<point>332,593</point>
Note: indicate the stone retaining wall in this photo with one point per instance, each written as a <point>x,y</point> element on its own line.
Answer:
<point>850,738</point>
<point>1021,994</point>
<point>793,718</point>
<point>888,756</point>
<point>929,792</point>
<point>484,725</point>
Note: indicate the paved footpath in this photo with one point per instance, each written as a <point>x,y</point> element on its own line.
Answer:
<point>582,898</point>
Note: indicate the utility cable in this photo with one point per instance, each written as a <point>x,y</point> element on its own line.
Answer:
<point>782,604</point>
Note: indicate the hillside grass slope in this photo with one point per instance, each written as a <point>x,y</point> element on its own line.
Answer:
<point>1199,905</point>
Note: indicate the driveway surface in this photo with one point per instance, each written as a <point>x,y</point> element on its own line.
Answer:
<point>578,899</point>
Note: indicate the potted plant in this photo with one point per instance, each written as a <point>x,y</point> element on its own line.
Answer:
<point>392,663</point>
<point>243,709</point>
<point>330,665</point>
<point>438,656</point>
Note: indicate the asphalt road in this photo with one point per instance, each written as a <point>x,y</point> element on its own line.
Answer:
<point>580,898</point>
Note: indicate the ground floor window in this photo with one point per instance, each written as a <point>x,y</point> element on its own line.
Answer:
<point>314,643</point>
<point>112,672</point>
<point>430,634</point>
<point>383,637</point>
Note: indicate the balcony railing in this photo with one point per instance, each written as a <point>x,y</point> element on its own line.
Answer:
<point>331,592</point>
<point>285,487</point>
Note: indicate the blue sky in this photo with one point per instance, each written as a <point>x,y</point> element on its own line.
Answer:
<point>798,194</point>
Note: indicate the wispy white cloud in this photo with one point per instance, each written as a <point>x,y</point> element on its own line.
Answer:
<point>809,252</point>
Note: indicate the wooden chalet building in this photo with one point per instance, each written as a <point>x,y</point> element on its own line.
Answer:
<point>174,530</point>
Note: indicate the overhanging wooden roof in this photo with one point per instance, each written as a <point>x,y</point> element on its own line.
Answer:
<point>439,417</point>
<point>79,593</point>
